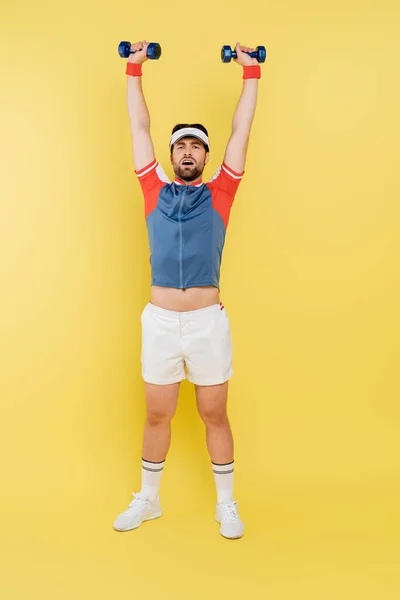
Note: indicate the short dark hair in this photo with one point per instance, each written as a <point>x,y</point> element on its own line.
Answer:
<point>196,126</point>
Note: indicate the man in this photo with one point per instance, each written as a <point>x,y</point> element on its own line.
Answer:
<point>185,326</point>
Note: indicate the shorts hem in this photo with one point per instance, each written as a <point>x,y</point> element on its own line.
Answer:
<point>206,382</point>
<point>158,381</point>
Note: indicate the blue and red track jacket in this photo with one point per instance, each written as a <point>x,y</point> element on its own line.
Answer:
<point>186,224</point>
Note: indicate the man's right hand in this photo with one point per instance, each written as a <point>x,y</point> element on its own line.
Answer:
<point>140,53</point>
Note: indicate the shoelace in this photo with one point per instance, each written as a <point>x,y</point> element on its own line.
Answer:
<point>229,512</point>
<point>137,503</point>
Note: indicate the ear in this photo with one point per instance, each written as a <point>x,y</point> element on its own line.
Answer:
<point>170,158</point>
<point>207,158</point>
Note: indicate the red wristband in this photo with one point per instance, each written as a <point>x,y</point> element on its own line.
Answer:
<point>133,69</point>
<point>252,72</point>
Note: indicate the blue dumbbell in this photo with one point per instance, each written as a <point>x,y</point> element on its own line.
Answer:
<point>227,54</point>
<point>153,50</point>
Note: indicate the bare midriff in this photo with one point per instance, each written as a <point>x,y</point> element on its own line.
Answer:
<point>183,300</point>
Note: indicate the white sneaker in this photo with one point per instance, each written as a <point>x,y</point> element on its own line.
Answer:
<point>139,510</point>
<point>231,525</point>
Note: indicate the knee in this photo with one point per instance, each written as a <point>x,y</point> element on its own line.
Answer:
<point>214,417</point>
<point>159,417</point>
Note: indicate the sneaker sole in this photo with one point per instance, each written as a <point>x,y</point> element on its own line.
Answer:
<point>236,537</point>
<point>149,518</point>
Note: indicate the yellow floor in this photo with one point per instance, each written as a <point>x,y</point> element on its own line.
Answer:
<point>306,539</point>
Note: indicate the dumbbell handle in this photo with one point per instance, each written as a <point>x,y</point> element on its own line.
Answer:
<point>252,54</point>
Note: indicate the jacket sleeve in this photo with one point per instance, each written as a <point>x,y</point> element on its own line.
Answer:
<point>223,187</point>
<point>151,178</point>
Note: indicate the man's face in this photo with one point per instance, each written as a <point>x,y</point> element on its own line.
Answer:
<point>189,158</point>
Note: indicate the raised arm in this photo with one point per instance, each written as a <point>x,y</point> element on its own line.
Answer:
<point>236,150</point>
<point>143,150</point>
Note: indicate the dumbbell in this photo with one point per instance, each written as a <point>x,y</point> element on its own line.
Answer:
<point>153,50</point>
<point>227,54</point>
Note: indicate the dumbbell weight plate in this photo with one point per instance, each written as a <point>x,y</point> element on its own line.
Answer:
<point>226,54</point>
<point>124,49</point>
<point>154,51</point>
<point>262,54</point>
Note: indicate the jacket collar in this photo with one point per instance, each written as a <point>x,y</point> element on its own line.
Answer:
<point>196,183</point>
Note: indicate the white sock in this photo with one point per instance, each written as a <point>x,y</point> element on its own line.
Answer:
<point>151,478</point>
<point>223,475</point>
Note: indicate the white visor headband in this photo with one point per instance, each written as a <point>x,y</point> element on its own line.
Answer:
<point>189,132</point>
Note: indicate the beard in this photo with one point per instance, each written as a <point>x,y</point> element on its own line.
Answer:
<point>188,173</point>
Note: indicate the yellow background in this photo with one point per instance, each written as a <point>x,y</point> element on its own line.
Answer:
<point>310,280</point>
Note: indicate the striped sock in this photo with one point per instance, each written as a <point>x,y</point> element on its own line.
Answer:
<point>223,475</point>
<point>151,478</point>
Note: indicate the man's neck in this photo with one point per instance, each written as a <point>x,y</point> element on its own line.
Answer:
<point>180,181</point>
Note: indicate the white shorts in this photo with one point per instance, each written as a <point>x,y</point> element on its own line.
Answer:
<point>197,342</point>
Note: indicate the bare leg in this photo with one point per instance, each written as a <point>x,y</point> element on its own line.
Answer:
<point>161,403</point>
<point>212,407</point>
